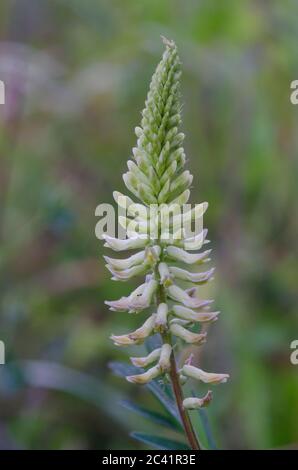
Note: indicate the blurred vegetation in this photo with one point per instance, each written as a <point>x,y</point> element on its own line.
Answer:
<point>76,75</point>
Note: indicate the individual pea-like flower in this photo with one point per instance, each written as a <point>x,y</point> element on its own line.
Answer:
<point>206,377</point>
<point>193,403</point>
<point>157,231</point>
<point>138,300</point>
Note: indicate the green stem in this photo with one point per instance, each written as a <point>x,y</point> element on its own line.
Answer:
<point>177,389</point>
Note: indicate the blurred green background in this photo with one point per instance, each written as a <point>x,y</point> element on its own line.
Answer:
<point>76,75</point>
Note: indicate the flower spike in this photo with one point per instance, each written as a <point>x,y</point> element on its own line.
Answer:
<point>155,226</point>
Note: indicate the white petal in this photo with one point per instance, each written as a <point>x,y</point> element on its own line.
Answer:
<point>179,254</point>
<point>196,242</point>
<point>176,293</point>
<point>206,377</point>
<point>165,277</point>
<point>165,355</point>
<point>127,262</point>
<point>145,361</point>
<point>146,377</point>
<point>188,336</point>
<point>193,316</point>
<point>199,278</point>
<point>127,244</point>
<point>161,323</point>
<point>194,403</point>
<point>123,275</point>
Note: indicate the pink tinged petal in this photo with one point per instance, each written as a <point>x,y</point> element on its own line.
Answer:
<point>128,244</point>
<point>147,360</point>
<point>198,278</point>
<point>188,336</point>
<point>206,377</point>
<point>178,254</point>
<point>193,316</point>
<point>194,403</point>
<point>142,379</point>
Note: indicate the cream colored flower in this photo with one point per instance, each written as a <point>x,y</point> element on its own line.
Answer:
<point>188,336</point>
<point>165,276</point>
<point>206,377</point>
<point>193,316</point>
<point>165,355</point>
<point>136,336</point>
<point>197,278</point>
<point>193,403</point>
<point>161,323</point>
<point>178,254</point>
<point>147,360</point>
<point>180,295</point>
<point>146,376</point>
<point>127,244</point>
<point>138,300</point>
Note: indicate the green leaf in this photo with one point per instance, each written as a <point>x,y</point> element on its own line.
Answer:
<point>207,429</point>
<point>53,376</point>
<point>159,442</point>
<point>122,370</point>
<point>164,399</point>
<point>151,415</point>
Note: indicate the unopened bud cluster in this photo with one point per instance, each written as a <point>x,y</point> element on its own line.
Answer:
<point>156,175</point>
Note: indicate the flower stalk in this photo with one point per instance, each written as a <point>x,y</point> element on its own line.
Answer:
<point>156,177</point>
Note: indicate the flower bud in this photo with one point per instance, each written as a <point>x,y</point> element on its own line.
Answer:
<point>145,194</point>
<point>183,198</point>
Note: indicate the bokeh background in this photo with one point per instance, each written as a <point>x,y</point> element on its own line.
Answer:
<point>76,75</point>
